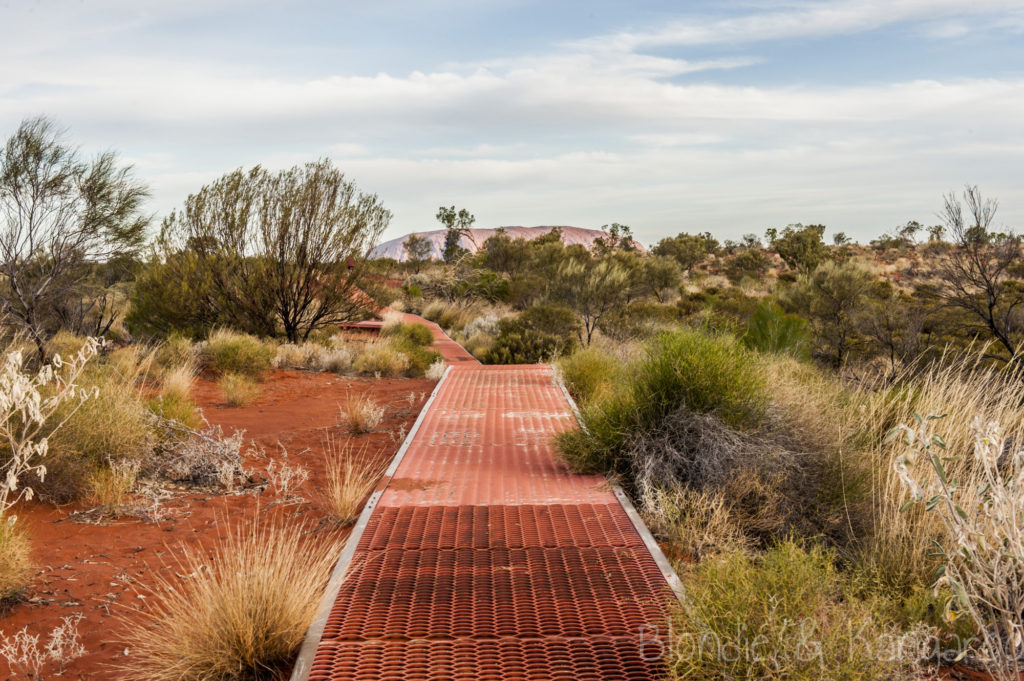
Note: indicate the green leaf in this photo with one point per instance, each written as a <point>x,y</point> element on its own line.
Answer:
<point>909,505</point>
<point>939,469</point>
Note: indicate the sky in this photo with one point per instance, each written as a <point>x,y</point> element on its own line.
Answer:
<point>728,117</point>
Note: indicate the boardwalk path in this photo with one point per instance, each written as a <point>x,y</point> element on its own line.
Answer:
<point>483,557</point>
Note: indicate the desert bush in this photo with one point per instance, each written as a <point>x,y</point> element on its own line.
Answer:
<point>638,320</point>
<point>478,345</point>
<point>392,319</point>
<point>687,368</point>
<point>589,374</point>
<point>696,525</point>
<point>111,484</point>
<point>177,381</point>
<point>205,458</point>
<point>983,549</point>
<point>787,614</point>
<point>15,561</point>
<point>452,317</point>
<point>239,390</point>
<point>414,334</point>
<point>288,356</point>
<point>351,477</point>
<point>176,351</point>
<point>772,330</point>
<point>381,358</point>
<point>114,424</point>
<point>436,370</point>
<point>24,654</point>
<point>361,413</point>
<point>539,334</point>
<point>243,612</point>
<point>171,405</point>
<point>228,352</point>
<point>485,324</point>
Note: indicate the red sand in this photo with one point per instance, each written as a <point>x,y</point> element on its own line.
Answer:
<point>97,570</point>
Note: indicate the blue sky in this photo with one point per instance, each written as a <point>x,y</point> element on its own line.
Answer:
<point>730,117</point>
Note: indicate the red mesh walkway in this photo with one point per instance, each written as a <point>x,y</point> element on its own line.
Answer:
<point>486,558</point>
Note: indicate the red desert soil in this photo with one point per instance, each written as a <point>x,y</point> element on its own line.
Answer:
<point>101,571</point>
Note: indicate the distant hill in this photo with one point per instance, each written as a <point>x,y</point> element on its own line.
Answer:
<point>570,235</point>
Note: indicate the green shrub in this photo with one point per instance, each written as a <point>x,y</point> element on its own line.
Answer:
<point>589,374</point>
<point>789,614</point>
<point>176,407</point>
<point>413,334</point>
<point>115,424</point>
<point>705,373</point>
<point>381,358</point>
<point>639,319</point>
<point>553,320</point>
<point>228,352</point>
<point>772,330</point>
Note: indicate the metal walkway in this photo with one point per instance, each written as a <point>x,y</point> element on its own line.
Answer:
<point>482,557</point>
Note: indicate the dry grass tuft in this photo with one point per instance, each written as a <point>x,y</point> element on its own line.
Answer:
<point>177,381</point>
<point>351,477</point>
<point>361,414</point>
<point>15,560</point>
<point>239,614</point>
<point>238,390</point>
<point>112,484</point>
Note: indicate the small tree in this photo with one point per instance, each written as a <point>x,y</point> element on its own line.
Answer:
<point>661,275</point>
<point>59,215</point>
<point>831,297</point>
<point>800,247</point>
<point>286,249</point>
<point>689,250</point>
<point>458,224</point>
<point>417,250</point>
<point>616,237</point>
<point>592,288</point>
<point>982,272</point>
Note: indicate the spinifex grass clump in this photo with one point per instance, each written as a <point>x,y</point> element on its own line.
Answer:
<point>229,352</point>
<point>705,373</point>
<point>361,413</point>
<point>983,513</point>
<point>351,476</point>
<point>239,390</point>
<point>240,614</point>
<point>787,614</point>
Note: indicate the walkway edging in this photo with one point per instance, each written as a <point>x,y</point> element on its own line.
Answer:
<point>634,517</point>
<point>304,661</point>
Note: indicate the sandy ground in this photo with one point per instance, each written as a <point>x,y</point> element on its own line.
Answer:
<point>100,570</point>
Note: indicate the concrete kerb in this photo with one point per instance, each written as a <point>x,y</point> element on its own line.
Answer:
<point>638,523</point>
<point>304,662</point>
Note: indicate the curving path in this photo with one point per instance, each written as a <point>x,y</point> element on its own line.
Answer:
<point>481,556</point>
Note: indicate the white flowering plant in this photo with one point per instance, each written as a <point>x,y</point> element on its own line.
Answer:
<point>28,402</point>
<point>984,522</point>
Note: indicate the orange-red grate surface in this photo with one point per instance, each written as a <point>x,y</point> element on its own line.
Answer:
<point>551,659</point>
<point>486,558</point>
<point>499,592</point>
<point>482,527</point>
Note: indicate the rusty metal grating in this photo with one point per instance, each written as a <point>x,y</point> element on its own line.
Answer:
<point>480,527</point>
<point>499,592</point>
<point>592,659</point>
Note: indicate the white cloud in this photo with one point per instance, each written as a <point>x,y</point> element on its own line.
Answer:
<point>805,19</point>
